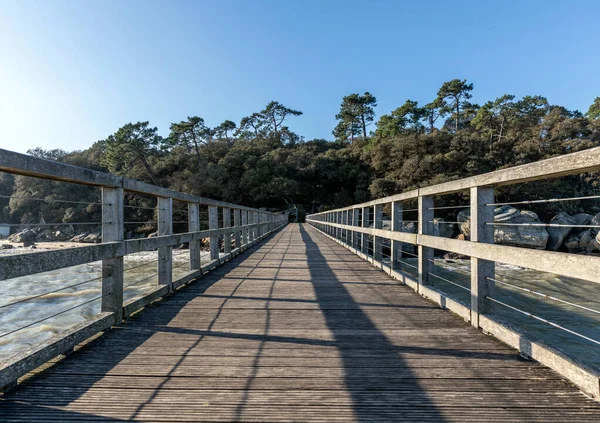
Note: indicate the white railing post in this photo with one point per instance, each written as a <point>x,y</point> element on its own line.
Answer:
<point>227,235</point>
<point>355,223</point>
<point>213,223</point>
<point>165,254</point>
<point>396,246</point>
<point>377,241</point>
<point>238,232</point>
<point>245,227</point>
<point>425,228</point>
<point>482,271</point>
<point>112,269</point>
<point>194,226</point>
<point>364,247</point>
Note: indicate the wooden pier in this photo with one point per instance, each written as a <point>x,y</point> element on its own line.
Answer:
<point>297,328</point>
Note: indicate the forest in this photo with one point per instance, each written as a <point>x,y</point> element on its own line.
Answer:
<point>261,162</point>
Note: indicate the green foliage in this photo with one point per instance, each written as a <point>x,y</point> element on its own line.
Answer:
<point>262,163</point>
<point>356,113</point>
<point>133,144</point>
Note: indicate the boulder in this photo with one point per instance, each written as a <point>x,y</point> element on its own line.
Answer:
<point>557,235</point>
<point>60,236</point>
<point>6,246</point>
<point>518,236</point>
<point>440,228</point>
<point>93,238</point>
<point>26,235</point>
<point>80,237</point>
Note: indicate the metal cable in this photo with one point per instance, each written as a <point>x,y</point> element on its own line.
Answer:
<point>541,319</point>
<point>141,280</point>
<point>48,293</point>
<point>544,295</point>
<point>551,200</point>
<point>54,315</point>
<point>448,207</point>
<point>51,200</point>
<point>450,267</point>
<point>140,265</point>
<point>552,225</point>
<point>450,282</point>
<point>54,224</point>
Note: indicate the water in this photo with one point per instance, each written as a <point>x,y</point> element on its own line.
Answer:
<point>140,277</point>
<point>576,291</point>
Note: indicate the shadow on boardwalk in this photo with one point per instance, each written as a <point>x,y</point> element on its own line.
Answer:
<point>367,399</point>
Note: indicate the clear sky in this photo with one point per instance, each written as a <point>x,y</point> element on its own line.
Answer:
<point>73,72</point>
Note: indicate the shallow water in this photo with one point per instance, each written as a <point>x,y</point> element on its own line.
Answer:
<point>78,298</point>
<point>576,291</point>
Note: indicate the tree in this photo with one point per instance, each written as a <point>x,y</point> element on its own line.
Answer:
<point>493,117</point>
<point>222,131</point>
<point>56,154</point>
<point>457,92</point>
<point>431,113</point>
<point>190,133</point>
<point>274,114</point>
<point>132,144</point>
<point>406,118</point>
<point>251,125</point>
<point>356,113</point>
<point>593,112</point>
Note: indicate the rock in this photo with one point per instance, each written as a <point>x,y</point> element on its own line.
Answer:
<point>6,246</point>
<point>29,243</point>
<point>557,235</point>
<point>153,234</point>
<point>410,227</point>
<point>33,247</point>
<point>23,236</point>
<point>93,238</point>
<point>518,236</point>
<point>60,236</point>
<point>440,228</point>
<point>80,237</point>
<point>461,237</point>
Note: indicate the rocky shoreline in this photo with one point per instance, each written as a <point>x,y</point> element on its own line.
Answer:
<point>523,228</point>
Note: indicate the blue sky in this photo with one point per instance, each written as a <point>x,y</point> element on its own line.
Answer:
<point>73,72</point>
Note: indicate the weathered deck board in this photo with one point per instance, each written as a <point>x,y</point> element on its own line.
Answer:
<point>297,329</point>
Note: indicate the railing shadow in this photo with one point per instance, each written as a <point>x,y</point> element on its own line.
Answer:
<point>368,404</point>
<point>70,379</point>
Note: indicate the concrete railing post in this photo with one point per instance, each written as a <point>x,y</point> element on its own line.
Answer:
<point>112,269</point>
<point>165,254</point>
<point>213,223</point>
<point>482,271</point>
<point>425,228</point>
<point>194,226</point>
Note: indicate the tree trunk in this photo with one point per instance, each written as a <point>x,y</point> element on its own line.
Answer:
<point>149,169</point>
<point>364,126</point>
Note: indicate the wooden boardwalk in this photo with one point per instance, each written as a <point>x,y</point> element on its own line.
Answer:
<point>296,329</point>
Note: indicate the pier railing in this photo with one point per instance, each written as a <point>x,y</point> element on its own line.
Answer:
<point>405,226</point>
<point>228,230</point>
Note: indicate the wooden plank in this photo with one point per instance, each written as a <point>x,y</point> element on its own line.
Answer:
<point>17,265</point>
<point>112,269</point>
<point>165,254</point>
<point>367,349</point>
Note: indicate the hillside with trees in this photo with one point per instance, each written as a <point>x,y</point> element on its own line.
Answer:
<point>261,162</point>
